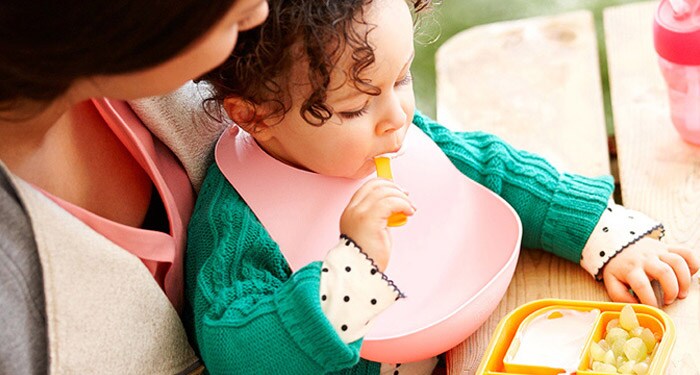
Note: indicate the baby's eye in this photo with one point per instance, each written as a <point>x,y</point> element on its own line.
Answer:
<point>354,114</point>
<point>405,80</point>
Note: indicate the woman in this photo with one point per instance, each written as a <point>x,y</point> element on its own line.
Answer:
<point>93,207</point>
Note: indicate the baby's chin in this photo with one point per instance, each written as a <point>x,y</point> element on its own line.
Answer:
<point>367,170</point>
<point>360,174</point>
<point>367,174</point>
<point>354,172</point>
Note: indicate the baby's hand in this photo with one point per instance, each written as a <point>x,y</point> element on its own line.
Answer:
<point>365,218</point>
<point>645,260</point>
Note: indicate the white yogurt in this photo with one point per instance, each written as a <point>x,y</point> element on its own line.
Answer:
<point>553,342</point>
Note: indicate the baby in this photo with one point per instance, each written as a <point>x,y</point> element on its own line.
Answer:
<point>317,92</point>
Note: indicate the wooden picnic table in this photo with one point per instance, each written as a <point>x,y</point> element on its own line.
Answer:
<point>536,83</point>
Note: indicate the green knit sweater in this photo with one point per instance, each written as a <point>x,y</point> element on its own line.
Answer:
<point>252,315</point>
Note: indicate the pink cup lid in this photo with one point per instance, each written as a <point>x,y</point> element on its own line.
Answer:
<point>677,31</point>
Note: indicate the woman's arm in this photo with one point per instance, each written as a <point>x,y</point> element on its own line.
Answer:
<point>23,319</point>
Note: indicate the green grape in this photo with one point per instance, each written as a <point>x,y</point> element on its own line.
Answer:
<point>609,357</point>
<point>628,319</point>
<point>613,323</point>
<point>618,346</point>
<point>597,353</point>
<point>641,368</point>
<point>620,360</point>
<point>637,332</point>
<point>635,349</point>
<point>626,368</point>
<point>626,346</point>
<point>603,367</point>
<point>649,339</point>
<point>616,334</point>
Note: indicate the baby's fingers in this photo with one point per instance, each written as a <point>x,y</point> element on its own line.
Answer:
<point>663,272</point>
<point>641,285</point>
<point>692,258</point>
<point>397,203</point>
<point>617,290</point>
<point>374,189</point>
<point>682,271</point>
<point>374,195</point>
<point>392,199</point>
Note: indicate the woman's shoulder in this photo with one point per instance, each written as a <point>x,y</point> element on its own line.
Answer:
<point>15,225</point>
<point>182,123</point>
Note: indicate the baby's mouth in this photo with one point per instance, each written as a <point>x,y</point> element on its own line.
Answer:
<point>393,154</point>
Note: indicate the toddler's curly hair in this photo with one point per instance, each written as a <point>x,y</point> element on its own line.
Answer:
<point>257,69</point>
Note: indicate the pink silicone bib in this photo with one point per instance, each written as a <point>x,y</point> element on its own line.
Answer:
<point>453,259</point>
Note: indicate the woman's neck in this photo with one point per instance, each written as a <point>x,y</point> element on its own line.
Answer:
<point>23,131</point>
<point>75,156</point>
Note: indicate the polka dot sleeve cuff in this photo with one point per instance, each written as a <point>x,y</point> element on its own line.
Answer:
<point>353,291</point>
<point>617,229</point>
<point>424,367</point>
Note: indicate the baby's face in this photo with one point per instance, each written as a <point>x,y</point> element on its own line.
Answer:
<point>362,125</point>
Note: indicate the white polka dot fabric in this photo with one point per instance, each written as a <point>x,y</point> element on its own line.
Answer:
<point>353,291</point>
<point>424,367</point>
<point>617,228</point>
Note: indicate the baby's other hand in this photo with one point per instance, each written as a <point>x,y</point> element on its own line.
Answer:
<point>365,218</point>
<point>645,260</point>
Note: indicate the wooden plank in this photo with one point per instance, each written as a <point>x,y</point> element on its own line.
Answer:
<point>533,82</point>
<point>536,84</point>
<point>659,173</point>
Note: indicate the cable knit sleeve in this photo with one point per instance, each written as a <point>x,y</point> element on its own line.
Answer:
<point>251,314</point>
<point>558,210</point>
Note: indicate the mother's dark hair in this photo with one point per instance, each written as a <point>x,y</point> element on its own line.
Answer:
<point>45,45</point>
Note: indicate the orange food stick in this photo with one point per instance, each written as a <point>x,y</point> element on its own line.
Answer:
<point>383,164</point>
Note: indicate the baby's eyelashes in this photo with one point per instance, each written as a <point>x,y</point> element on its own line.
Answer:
<point>405,80</point>
<point>356,113</point>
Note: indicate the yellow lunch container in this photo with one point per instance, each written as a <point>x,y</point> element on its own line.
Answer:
<point>554,336</point>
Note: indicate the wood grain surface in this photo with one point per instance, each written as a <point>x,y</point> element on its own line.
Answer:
<point>535,83</point>
<point>659,173</point>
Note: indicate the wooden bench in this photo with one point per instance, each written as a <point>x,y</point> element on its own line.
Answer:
<point>536,83</point>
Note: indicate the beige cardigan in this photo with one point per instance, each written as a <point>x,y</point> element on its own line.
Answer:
<point>105,312</point>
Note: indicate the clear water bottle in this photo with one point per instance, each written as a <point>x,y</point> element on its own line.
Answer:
<point>677,42</point>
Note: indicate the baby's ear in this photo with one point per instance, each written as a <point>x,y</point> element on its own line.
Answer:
<point>246,115</point>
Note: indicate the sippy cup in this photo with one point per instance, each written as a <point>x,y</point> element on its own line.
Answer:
<point>677,42</point>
